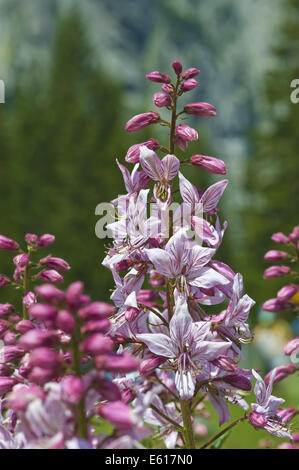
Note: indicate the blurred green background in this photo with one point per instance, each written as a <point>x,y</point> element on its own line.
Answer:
<point>74,74</point>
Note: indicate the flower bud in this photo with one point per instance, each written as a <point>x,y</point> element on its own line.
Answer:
<point>161,99</point>
<point>133,154</point>
<point>45,358</point>
<point>23,326</point>
<point>55,263</point>
<point>131,314</point>
<point>239,381</point>
<point>257,420</point>
<point>21,260</point>
<point>200,429</point>
<point>4,325</point>
<point>36,338</point>
<point>65,321</point>
<point>118,414</point>
<point>9,338</point>
<point>42,312</point>
<point>8,244</point>
<point>167,88</point>
<point>276,271</point>
<point>46,240</point>
<point>177,67</point>
<point>108,390</point>
<point>295,437</point>
<point>22,395</point>
<point>50,293</point>
<point>287,445</point>
<point>286,293</point>
<point>96,310</point>
<point>142,120</point>
<point>181,143</point>
<point>281,373</point>
<point>156,279</point>
<point>188,85</point>
<point>73,295</point>
<point>280,237</point>
<point>41,376</point>
<point>149,366</point>
<point>118,363</point>
<point>286,414</point>
<point>4,280</point>
<point>10,353</point>
<point>275,255</point>
<point>211,164</point>
<point>200,109</point>
<point>291,346</point>
<point>96,326</point>
<point>190,73</point>
<point>294,235</point>
<point>72,389</point>
<point>97,344</point>
<point>274,306</point>
<point>50,276</point>
<point>29,299</point>
<point>31,239</point>
<point>225,363</point>
<point>186,132</point>
<point>6,310</point>
<point>158,77</point>
<point>5,371</point>
<point>6,384</point>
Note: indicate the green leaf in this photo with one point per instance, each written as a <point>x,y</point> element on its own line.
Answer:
<point>218,443</point>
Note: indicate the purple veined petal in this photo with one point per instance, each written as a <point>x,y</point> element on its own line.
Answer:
<point>159,344</point>
<point>243,308</point>
<point>185,384</point>
<point>237,288</point>
<point>181,323</point>
<point>176,247</point>
<point>200,330</point>
<point>170,167</point>
<point>210,350</point>
<point>195,259</point>
<point>188,191</point>
<point>151,163</point>
<point>126,177</point>
<point>208,278</point>
<point>205,231</point>
<point>162,261</point>
<point>260,389</point>
<point>131,300</point>
<point>212,195</point>
<point>270,384</point>
<point>221,407</point>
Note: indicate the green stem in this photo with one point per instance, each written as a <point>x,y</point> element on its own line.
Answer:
<point>230,426</point>
<point>167,418</point>
<point>188,428</point>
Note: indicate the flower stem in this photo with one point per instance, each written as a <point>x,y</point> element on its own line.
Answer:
<point>230,426</point>
<point>167,418</point>
<point>188,428</point>
<point>26,286</point>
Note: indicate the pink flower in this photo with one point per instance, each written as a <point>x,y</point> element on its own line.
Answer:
<point>276,271</point>
<point>142,120</point>
<point>46,240</point>
<point>275,255</point>
<point>190,73</point>
<point>42,312</point>
<point>200,109</point>
<point>50,276</point>
<point>55,263</point>
<point>161,99</point>
<point>4,280</point>
<point>186,133</point>
<point>72,389</point>
<point>177,67</point>
<point>65,321</point>
<point>50,293</point>
<point>158,77</point>
<point>8,244</point>
<point>279,237</point>
<point>21,260</point>
<point>211,164</point>
<point>133,153</point>
<point>286,293</point>
<point>281,373</point>
<point>29,299</point>
<point>274,305</point>
<point>118,414</point>
<point>188,85</point>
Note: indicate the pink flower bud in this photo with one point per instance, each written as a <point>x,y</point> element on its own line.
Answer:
<point>22,395</point>
<point>177,67</point>
<point>158,77</point>
<point>274,306</point>
<point>211,164</point>
<point>10,353</point>
<point>182,144</point>
<point>200,429</point>
<point>131,314</point>
<point>286,293</point>
<point>4,325</point>
<point>133,154</point>
<point>257,420</point>
<point>118,414</point>
<point>122,363</point>
<point>36,338</point>
<point>108,390</point>
<point>295,437</point>
<point>4,280</point>
<point>21,260</point>
<point>46,240</point>
<point>190,73</point>
<point>188,85</point>
<point>149,366</point>
<point>55,263</point>
<point>96,326</point>
<point>29,299</point>
<point>156,279</point>
<point>281,373</point>
<point>161,99</point>
<point>96,310</point>
<point>200,109</point>
<point>23,326</point>
<point>73,295</point>
<point>65,321</point>
<point>167,88</point>
<point>239,381</point>
<point>186,132</point>
<point>97,344</point>
<point>294,235</point>
<point>31,239</point>
<point>286,445</point>
<point>45,358</point>
<point>286,414</point>
<point>8,244</point>
<point>6,384</point>
<point>291,346</point>
<point>42,312</point>
<point>41,376</point>
<point>50,276</point>
<point>279,237</point>
<point>50,293</point>
<point>275,255</point>
<point>147,295</point>
<point>9,337</point>
<point>5,371</point>
<point>225,363</point>
<point>142,120</point>
<point>72,389</point>
<point>276,271</point>
<point>6,310</point>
